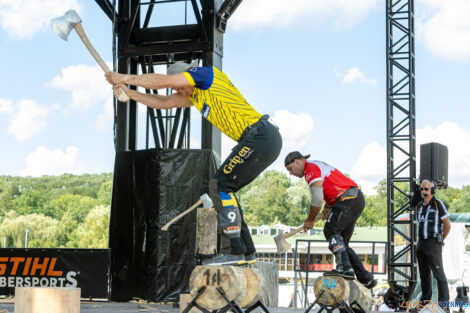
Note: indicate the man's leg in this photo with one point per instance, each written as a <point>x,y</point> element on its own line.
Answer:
<point>337,246</point>
<point>353,210</point>
<point>250,249</point>
<point>424,272</point>
<point>248,159</point>
<point>434,257</point>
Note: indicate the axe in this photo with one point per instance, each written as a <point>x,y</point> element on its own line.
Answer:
<point>280,239</point>
<point>71,20</point>
<point>206,202</point>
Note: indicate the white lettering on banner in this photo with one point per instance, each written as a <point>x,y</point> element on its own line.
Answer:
<point>71,279</point>
<point>12,281</point>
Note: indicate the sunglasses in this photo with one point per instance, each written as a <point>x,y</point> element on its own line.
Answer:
<point>424,188</point>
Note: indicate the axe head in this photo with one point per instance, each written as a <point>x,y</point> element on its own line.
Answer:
<point>206,201</point>
<point>282,245</point>
<point>63,25</point>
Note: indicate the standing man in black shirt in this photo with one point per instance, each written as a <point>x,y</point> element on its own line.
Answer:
<point>433,228</point>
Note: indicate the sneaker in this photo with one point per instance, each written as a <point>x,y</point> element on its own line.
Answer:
<point>370,284</point>
<point>348,275</point>
<point>250,258</point>
<point>225,259</point>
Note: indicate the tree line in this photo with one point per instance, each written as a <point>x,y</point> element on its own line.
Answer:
<point>72,211</point>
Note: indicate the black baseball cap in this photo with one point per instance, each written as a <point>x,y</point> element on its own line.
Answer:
<point>292,156</point>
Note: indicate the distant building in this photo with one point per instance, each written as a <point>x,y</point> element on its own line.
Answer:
<point>321,259</point>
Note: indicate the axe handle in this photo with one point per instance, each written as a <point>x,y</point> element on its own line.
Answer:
<point>174,219</point>
<point>298,230</point>
<point>123,97</point>
<point>292,233</point>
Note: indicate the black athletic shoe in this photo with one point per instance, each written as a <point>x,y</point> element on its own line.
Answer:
<point>348,275</point>
<point>225,259</point>
<point>250,258</point>
<point>370,284</point>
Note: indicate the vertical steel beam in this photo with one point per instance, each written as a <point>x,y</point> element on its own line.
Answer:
<point>126,124</point>
<point>401,144</point>
<point>211,136</point>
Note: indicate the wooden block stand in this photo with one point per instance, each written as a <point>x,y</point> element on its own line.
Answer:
<point>335,292</point>
<point>47,300</point>
<point>218,288</point>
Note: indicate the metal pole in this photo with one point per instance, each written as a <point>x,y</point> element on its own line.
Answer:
<point>26,238</point>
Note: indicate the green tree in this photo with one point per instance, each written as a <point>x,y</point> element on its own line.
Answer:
<point>42,230</point>
<point>264,201</point>
<point>298,203</point>
<point>78,206</point>
<point>93,233</point>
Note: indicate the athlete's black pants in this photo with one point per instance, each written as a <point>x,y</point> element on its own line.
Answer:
<point>258,147</point>
<point>341,221</point>
<point>429,253</point>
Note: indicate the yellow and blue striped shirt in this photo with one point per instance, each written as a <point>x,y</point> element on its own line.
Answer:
<point>220,102</point>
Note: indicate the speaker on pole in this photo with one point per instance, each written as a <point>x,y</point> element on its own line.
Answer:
<point>434,164</point>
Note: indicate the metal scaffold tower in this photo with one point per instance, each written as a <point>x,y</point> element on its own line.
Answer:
<point>140,48</point>
<point>401,147</point>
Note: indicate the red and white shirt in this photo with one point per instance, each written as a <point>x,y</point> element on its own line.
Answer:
<point>335,183</point>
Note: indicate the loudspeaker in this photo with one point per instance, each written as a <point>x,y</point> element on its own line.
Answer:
<point>434,164</point>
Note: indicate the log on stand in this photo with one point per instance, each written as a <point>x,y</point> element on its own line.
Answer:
<point>206,232</point>
<point>243,285</point>
<point>255,287</point>
<point>230,278</point>
<point>337,290</point>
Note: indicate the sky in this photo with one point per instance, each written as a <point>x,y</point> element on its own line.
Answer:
<point>317,67</point>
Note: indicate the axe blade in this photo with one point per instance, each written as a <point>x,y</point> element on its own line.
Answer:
<point>282,245</point>
<point>63,25</point>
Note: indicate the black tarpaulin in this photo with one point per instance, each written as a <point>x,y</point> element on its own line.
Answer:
<point>150,188</point>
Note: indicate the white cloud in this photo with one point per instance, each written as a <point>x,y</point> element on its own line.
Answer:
<point>444,27</point>
<point>43,161</point>
<point>370,166</point>
<point>295,129</point>
<point>87,84</point>
<point>105,120</point>
<point>22,19</point>
<point>354,75</point>
<point>456,139</point>
<point>29,119</point>
<point>89,89</point>
<point>6,106</point>
<point>277,13</point>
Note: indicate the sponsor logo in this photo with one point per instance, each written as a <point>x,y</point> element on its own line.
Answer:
<point>240,158</point>
<point>205,110</point>
<point>34,272</point>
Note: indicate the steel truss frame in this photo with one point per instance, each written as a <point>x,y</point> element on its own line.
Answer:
<point>401,145</point>
<point>142,46</point>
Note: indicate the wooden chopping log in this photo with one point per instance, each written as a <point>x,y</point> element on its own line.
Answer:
<point>337,289</point>
<point>230,278</point>
<point>206,232</point>
<point>255,287</point>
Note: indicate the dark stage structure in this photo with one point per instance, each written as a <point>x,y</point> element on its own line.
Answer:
<point>156,183</point>
<point>401,147</point>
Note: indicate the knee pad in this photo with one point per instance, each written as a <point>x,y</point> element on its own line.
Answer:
<point>229,217</point>
<point>328,231</point>
<point>336,244</point>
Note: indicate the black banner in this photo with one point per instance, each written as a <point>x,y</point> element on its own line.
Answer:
<point>151,187</point>
<point>78,268</point>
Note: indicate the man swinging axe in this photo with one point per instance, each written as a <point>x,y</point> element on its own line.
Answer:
<point>344,204</point>
<point>221,104</point>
